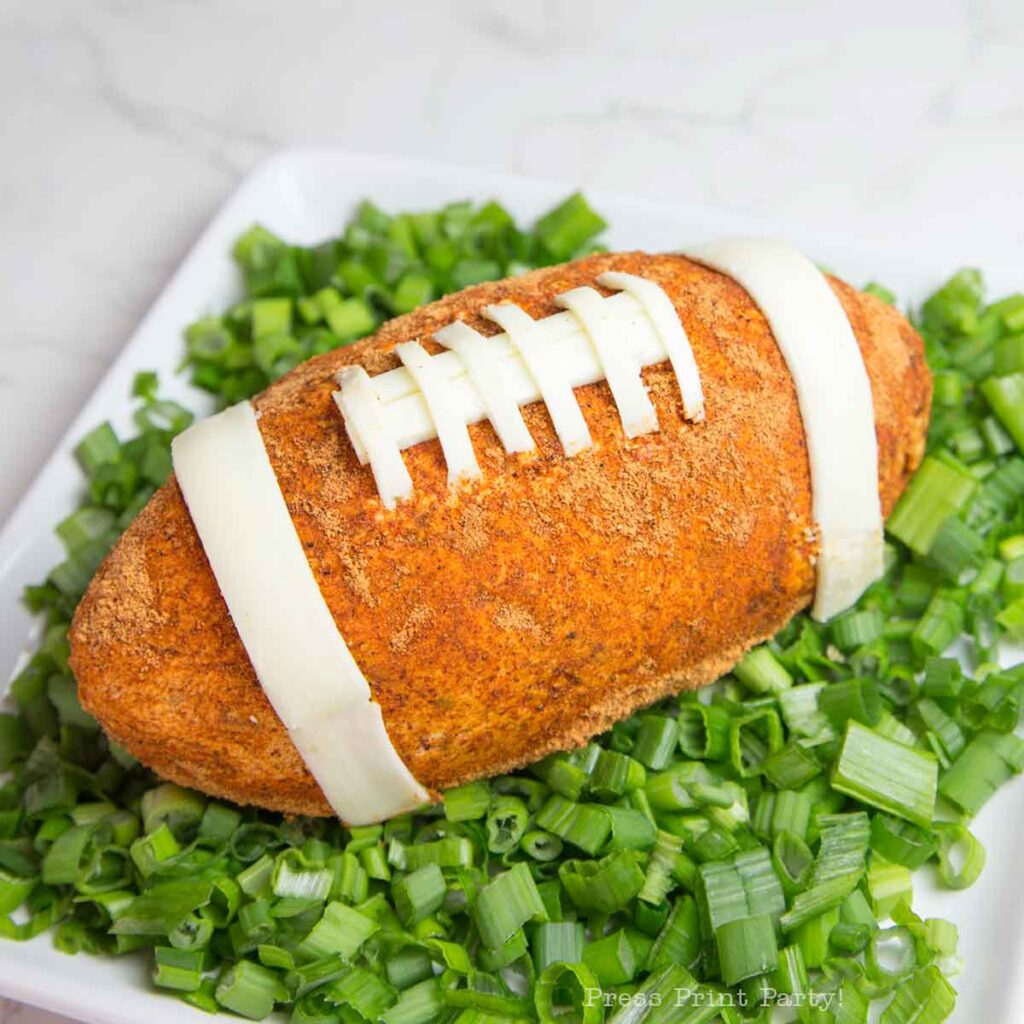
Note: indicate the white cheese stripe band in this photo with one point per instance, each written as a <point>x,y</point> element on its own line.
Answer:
<point>834,393</point>
<point>479,378</point>
<point>289,634</point>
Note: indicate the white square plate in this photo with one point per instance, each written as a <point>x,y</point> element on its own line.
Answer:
<point>305,197</point>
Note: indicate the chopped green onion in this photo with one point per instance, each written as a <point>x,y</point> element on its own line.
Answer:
<point>760,671</point>
<point>557,942</point>
<point>925,998</point>
<point>419,894</point>
<point>746,947</point>
<point>655,741</point>
<point>936,491</point>
<point>886,774</point>
<point>989,760</point>
<point>506,904</point>
<point>467,803</point>
<point>250,990</point>
<point>704,731</point>
<point>576,982</point>
<point>606,885</point>
<point>958,845</point>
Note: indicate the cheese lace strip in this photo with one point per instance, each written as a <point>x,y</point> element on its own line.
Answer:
<point>490,378</point>
<point>834,393</point>
<point>554,387</point>
<point>621,370</point>
<point>669,328</point>
<point>476,353</point>
<point>289,634</point>
<point>371,434</point>
<point>451,429</point>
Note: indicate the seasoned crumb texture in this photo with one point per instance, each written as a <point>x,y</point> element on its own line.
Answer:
<point>526,611</point>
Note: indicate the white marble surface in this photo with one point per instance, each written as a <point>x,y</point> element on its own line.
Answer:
<point>125,123</point>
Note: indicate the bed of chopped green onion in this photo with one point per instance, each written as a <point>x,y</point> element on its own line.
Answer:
<point>708,859</point>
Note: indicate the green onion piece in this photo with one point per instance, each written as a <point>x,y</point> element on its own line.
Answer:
<point>812,936</point>
<point>407,967</point>
<point>891,954</point>
<point>605,885</point>
<point>792,860</point>
<point>179,809</point>
<point>506,823</point>
<point>1011,618</point>
<point>419,894</point>
<point>901,842</point>
<point>178,969</point>
<point>99,446</point>
<point>791,767</point>
<point>568,226</point>
<point>761,672</point>
<point>565,778</point>
<point>450,852</point>
<point>850,938</point>
<point>341,930</point>
<point>958,845</point>
<point>745,886</point>
<point>659,879</point>
<point>506,904</point>
<point>856,627</point>
<point>250,990</point>
<point>162,908</point>
<point>499,957</point>
<point>888,884</point>
<point>556,942</point>
<point>837,870</point>
<point>219,821</point>
<point>753,736</point>
<point>989,760</point>
<point>418,1004</point>
<point>575,982</point>
<point>935,492</point>
<point>584,825</point>
<point>857,700</point>
<point>802,715</point>
<point>631,829</point>
<point>542,846</point>
<point>924,998</point>
<point>704,731</point>
<point>467,803</point>
<point>292,877</point>
<point>611,959</point>
<point>956,548</point>
<point>886,774</point>
<point>655,741</point>
<point>790,975</point>
<point>616,773</point>
<point>746,947</point>
<point>1005,395</point>
<point>305,977</point>
<point>679,941</point>
<point>361,990</point>
<point>941,624</point>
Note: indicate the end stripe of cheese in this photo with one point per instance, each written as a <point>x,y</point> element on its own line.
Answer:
<point>621,370</point>
<point>289,634</point>
<point>834,394</point>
